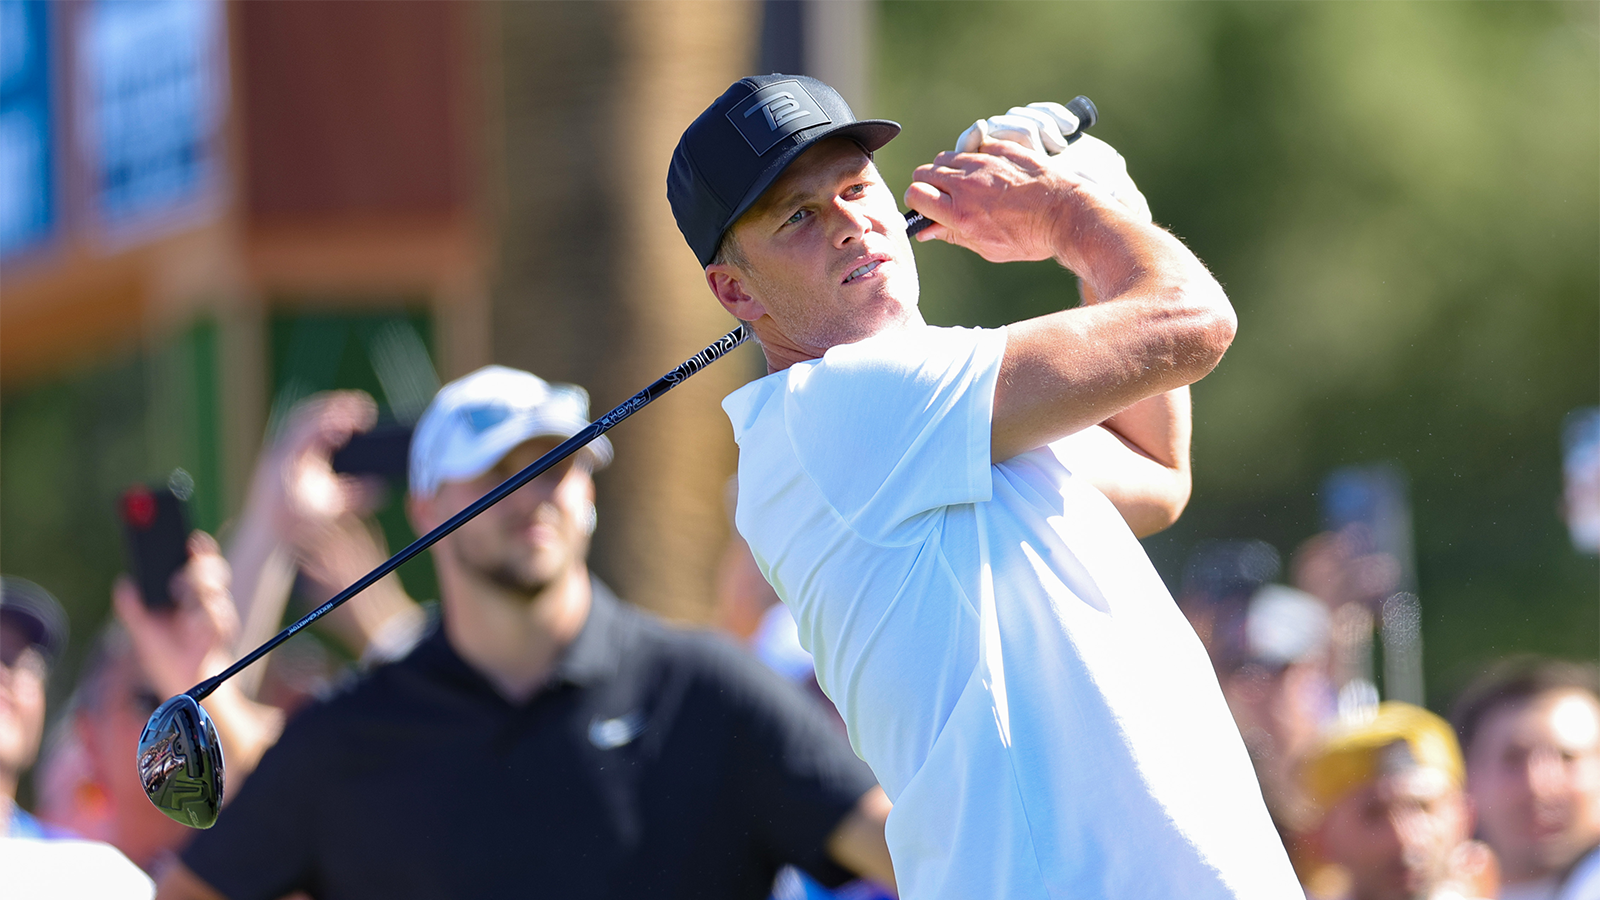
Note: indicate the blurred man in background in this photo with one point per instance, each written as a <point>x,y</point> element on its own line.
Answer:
<point>543,737</point>
<point>1530,728</point>
<point>37,861</point>
<point>1394,816</point>
<point>33,631</point>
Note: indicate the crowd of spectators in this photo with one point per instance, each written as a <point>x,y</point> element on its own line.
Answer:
<point>1388,801</point>
<point>656,759</point>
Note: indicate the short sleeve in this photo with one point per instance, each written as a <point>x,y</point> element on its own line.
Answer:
<point>897,425</point>
<point>798,772</point>
<point>261,846</point>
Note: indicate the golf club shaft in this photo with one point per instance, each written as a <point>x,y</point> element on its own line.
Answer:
<point>571,445</point>
<point>1081,106</point>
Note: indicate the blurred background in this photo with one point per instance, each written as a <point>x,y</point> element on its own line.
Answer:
<point>211,210</point>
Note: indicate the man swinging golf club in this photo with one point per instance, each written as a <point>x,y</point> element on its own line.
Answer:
<point>952,514</point>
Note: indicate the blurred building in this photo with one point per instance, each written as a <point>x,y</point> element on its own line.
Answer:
<point>211,209</point>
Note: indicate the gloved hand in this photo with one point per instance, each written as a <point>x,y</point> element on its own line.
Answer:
<point>1044,127</point>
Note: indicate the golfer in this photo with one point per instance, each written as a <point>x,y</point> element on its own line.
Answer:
<point>952,514</point>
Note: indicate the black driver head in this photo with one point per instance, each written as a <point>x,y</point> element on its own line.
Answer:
<point>180,762</point>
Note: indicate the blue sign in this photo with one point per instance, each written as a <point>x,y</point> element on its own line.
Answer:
<point>27,195</point>
<point>153,75</point>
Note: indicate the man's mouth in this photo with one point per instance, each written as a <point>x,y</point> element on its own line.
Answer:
<point>862,271</point>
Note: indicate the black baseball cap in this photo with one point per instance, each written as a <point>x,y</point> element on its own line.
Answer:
<point>31,610</point>
<point>743,142</point>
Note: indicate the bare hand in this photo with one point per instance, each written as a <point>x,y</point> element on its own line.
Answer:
<point>295,480</point>
<point>1004,203</point>
<point>180,647</point>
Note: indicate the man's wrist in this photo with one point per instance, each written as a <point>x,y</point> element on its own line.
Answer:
<point>1093,235</point>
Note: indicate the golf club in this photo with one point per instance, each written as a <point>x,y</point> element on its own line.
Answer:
<point>1080,106</point>
<point>180,758</point>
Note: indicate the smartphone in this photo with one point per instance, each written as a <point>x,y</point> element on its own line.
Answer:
<point>385,450</point>
<point>155,533</point>
<point>1580,444</point>
<point>1371,506</point>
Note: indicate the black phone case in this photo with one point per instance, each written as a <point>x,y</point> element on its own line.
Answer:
<point>385,450</point>
<point>156,536</point>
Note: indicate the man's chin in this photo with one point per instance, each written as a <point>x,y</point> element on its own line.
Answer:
<point>526,583</point>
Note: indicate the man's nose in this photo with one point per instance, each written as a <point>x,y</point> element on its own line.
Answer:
<point>530,495</point>
<point>848,220</point>
<point>1547,776</point>
<point>1410,829</point>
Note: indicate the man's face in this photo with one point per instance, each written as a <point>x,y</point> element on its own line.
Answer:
<point>22,679</point>
<point>1534,774</point>
<point>526,541</point>
<point>828,260</point>
<point>109,732</point>
<point>1395,835</point>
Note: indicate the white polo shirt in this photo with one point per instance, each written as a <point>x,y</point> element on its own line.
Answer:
<point>1006,658</point>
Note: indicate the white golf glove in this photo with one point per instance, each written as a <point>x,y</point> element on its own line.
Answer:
<point>1043,127</point>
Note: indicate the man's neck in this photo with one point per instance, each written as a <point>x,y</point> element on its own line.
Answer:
<point>516,642</point>
<point>781,353</point>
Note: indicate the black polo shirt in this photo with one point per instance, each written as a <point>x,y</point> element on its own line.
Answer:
<point>657,763</point>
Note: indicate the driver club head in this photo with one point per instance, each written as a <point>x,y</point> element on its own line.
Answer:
<point>180,762</point>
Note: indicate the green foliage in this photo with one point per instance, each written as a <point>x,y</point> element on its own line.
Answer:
<point>72,446</point>
<point>1402,200</point>
<point>325,350</point>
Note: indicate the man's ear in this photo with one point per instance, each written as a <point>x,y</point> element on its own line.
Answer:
<point>728,284</point>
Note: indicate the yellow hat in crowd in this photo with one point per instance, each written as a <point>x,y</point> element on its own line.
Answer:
<point>1400,738</point>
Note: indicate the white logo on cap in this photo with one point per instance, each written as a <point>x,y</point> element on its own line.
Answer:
<point>780,108</point>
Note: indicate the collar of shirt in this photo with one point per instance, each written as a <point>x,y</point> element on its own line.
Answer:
<point>594,656</point>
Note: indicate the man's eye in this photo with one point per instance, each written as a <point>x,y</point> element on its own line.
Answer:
<point>798,215</point>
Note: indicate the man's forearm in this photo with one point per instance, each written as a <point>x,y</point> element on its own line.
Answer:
<point>858,843</point>
<point>1150,483</point>
<point>1158,427</point>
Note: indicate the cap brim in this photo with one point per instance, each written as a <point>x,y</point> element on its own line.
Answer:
<point>869,133</point>
<point>493,449</point>
<point>42,622</point>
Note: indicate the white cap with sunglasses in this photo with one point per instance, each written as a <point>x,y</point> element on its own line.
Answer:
<point>474,421</point>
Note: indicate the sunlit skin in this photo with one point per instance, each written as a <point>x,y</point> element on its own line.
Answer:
<point>513,580</point>
<point>1534,774</point>
<point>22,679</point>
<point>1395,836</point>
<point>806,242</point>
<point>110,736</point>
